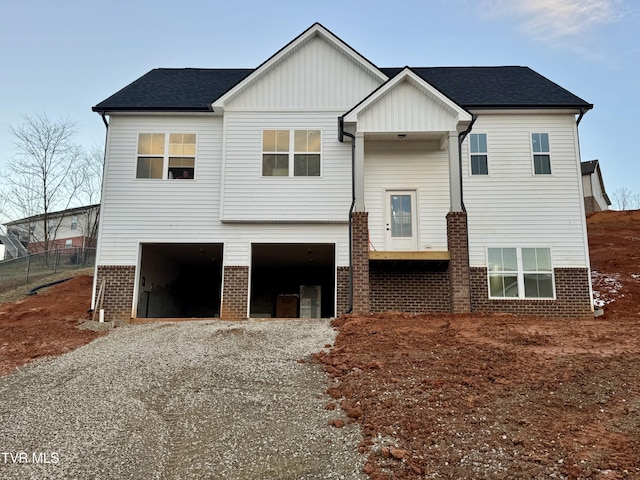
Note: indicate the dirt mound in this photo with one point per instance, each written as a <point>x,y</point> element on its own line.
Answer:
<point>45,324</point>
<point>614,244</point>
<point>491,396</point>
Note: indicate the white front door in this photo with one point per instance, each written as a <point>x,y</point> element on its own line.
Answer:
<point>401,220</point>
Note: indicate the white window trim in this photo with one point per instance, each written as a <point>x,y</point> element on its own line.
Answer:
<point>291,153</point>
<point>165,156</point>
<point>520,274</point>
<point>76,223</point>
<point>533,154</point>
<point>471,174</point>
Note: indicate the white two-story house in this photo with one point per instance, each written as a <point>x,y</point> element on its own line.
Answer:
<point>319,183</point>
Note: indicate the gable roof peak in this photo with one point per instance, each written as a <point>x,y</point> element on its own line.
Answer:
<point>315,29</point>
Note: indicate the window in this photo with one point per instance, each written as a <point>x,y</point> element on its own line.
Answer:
<point>51,223</point>
<point>153,162</point>
<point>541,153</point>
<point>68,243</point>
<point>520,273</point>
<point>74,223</point>
<point>479,158</point>
<point>288,153</point>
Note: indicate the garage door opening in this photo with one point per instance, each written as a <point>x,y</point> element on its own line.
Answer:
<point>180,280</point>
<point>292,280</point>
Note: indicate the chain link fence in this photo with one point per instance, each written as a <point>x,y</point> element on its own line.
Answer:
<point>30,268</point>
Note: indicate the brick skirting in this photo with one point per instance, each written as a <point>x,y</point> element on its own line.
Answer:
<point>572,296</point>
<point>235,293</point>
<point>118,294</point>
<point>414,288</point>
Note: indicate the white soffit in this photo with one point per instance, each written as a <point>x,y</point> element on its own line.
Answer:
<point>315,30</point>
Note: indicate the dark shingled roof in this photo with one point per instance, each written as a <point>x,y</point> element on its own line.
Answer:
<point>174,89</point>
<point>193,89</point>
<point>588,167</point>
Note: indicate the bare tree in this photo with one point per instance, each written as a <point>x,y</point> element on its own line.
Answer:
<point>625,199</point>
<point>89,180</point>
<point>39,178</point>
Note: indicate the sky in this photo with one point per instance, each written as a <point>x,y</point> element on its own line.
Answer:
<point>61,57</point>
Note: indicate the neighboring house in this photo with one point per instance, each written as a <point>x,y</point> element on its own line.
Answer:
<point>71,228</point>
<point>319,183</point>
<point>595,196</point>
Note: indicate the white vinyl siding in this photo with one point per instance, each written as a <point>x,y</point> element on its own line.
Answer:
<point>409,166</point>
<point>513,206</point>
<point>135,212</point>
<point>248,196</point>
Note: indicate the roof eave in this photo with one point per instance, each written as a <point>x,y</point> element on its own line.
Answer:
<point>106,109</point>
<point>581,107</point>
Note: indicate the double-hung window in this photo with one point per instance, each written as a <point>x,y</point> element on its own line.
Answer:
<point>166,156</point>
<point>479,157</point>
<point>541,153</point>
<point>520,273</point>
<point>287,153</point>
<point>74,222</point>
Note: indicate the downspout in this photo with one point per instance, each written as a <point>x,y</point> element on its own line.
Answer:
<point>461,137</point>
<point>341,135</point>
<point>104,166</point>
<point>582,112</point>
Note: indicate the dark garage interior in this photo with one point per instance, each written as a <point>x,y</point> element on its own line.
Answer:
<point>180,280</point>
<point>292,280</point>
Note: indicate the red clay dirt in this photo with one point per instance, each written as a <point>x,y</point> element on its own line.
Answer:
<point>499,396</point>
<point>456,396</point>
<point>45,324</point>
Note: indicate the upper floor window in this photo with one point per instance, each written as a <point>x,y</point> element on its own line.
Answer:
<point>171,156</point>
<point>541,153</point>
<point>479,157</point>
<point>74,222</point>
<point>288,153</point>
<point>520,273</point>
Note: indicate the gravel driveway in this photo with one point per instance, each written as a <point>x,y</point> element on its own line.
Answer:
<point>179,400</point>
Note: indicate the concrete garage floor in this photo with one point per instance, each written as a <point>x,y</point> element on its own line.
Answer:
<point>202,399</point>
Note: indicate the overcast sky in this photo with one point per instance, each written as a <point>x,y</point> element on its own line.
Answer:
<point>62,57</point>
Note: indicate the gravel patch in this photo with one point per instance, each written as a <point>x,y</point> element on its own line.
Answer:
<point>179,400</point>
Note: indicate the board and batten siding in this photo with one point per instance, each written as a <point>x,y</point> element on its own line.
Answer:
<point>138,211</point>
<point>315,75</point>
<point>249,197</point>
<point>406,109</point>
<point>404,165</point>
<point>513,207</point>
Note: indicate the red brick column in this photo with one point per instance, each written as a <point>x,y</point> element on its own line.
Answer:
<point>118,293</point>
<point>360,261</point>
<point>235,293</point>
<point>342,287</point>
<point>458,243</point>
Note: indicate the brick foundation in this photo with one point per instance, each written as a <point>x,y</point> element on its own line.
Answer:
<point>360,261</point>
<point>572,296</point>
<point>118,294</point>
<point>342,289</point>
<point>458,245</point>
<point>235,293</point>
<point>413,287</point>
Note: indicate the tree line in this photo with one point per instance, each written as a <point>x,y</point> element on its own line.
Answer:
<point>49,173</point>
